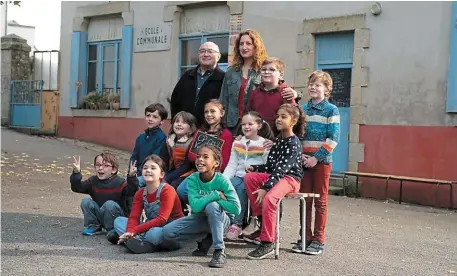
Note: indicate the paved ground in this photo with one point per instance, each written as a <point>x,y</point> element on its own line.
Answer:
<point>41,221</point>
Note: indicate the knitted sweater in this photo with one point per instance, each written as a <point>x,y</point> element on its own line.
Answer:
<point>174,154</point>
<point>322,130</point>
<point>245,153</point>
<point>114,188</point>
<point>201,193</point>
<point>267,102</point>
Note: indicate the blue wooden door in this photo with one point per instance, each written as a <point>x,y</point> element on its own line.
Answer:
<point>334,53</point>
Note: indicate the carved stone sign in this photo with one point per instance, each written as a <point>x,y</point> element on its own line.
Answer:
<point>155,37</point>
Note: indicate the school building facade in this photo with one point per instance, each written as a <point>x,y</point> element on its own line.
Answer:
<point>394,65</point>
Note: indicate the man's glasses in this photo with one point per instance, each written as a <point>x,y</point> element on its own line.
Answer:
<point>209,51</point>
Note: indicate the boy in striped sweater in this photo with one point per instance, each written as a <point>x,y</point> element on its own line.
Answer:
<point>321,137</point>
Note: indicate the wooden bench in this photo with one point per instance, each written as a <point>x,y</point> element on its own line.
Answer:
<point>388,177</point>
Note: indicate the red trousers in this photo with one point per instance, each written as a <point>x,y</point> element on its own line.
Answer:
<point>269,208</point>
<point>316,180</point>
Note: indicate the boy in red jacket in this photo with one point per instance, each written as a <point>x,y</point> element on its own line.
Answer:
<point>267,98</point>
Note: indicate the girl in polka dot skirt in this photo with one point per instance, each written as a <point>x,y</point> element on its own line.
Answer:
<point>267,184</point>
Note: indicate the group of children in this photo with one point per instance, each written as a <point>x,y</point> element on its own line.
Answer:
<point>174,193</point>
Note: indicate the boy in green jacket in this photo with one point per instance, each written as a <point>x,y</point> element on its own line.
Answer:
<point>212,200</point>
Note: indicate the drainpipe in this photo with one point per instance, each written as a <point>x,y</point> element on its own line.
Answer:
<point>6,17</point>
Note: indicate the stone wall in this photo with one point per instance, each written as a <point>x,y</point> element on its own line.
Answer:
<point>16,65</point>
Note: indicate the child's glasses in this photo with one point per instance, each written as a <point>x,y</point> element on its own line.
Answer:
<point>105,166</point>
<point>267,70</point>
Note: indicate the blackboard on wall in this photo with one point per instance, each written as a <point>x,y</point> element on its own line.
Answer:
<point>341,94</point>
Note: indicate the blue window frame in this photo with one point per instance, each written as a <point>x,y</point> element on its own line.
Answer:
<point>188,50</point>
<point>104,73</point>
<point>107,73</point>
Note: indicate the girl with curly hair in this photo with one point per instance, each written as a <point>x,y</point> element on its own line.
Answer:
<point>244,76</point>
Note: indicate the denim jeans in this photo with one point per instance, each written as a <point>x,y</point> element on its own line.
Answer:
<point>104,216</point>
<point>182,191</point>
<point>196,227</point>
<point>153,235</point>
<point>238,184</point>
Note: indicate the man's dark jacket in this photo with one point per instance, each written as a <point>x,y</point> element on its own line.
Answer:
<point>184,98</point>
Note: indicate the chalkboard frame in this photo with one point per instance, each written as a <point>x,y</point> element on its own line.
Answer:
<point>219,143</point>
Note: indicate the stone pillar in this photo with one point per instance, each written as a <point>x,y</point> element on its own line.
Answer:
<point>15,66</point>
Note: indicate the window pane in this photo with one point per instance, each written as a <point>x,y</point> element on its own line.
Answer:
<point>93,52</point>
<point>108,76</point>
<point>119,77</point>
<point>92,77</point>
<point>189,52</point>
<point>108,52</point>
<point>223,43</point>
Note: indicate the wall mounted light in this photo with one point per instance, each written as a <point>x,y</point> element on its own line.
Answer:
<point>376,8</point>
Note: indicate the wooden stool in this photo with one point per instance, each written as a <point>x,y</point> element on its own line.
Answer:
<point>302,197</point>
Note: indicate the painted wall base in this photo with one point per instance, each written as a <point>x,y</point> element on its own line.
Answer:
<point>119,133</point>
<point>415,151</point>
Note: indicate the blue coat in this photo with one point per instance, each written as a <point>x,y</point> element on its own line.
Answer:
<point>147,143</point>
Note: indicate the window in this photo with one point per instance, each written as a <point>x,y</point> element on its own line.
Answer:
<point>104,67</point>
<point>189,50</point>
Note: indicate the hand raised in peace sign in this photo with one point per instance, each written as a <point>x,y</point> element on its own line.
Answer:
<point>132,169</point>
<point>77,163</point>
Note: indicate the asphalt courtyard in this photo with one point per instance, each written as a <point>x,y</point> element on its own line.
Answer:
<point>41,222</point>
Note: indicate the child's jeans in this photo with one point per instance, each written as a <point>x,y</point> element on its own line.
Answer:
<point>238,184</point>
<point>196,227</point>
<point>269,208</point>
<point>104,216</point>
<point>153,235</point>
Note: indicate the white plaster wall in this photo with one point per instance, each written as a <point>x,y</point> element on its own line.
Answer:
<point>407,58</point>
<point>68,12</point>
<point>151,81</point>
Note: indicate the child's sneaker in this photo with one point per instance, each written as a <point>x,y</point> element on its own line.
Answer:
<point>219,259</point>
<point>112,236</point>
<point>297,248</point>
<point>90,231</point>
<point>137,246</point>
<point>314,248</point>
<point>253,238</point>
<point>252,227</point>
<point>233,232</point>
<point>203,246</point>
<point>263,250</point>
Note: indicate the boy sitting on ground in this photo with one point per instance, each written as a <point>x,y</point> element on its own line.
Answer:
<point>109,194</point>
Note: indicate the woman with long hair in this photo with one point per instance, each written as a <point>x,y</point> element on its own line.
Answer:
<point>243,76</point>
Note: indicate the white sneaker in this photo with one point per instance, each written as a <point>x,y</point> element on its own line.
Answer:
<point>233,232</point>
<point>252,227</point>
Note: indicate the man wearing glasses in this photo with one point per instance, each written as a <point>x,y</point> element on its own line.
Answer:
<point>199,85</point>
